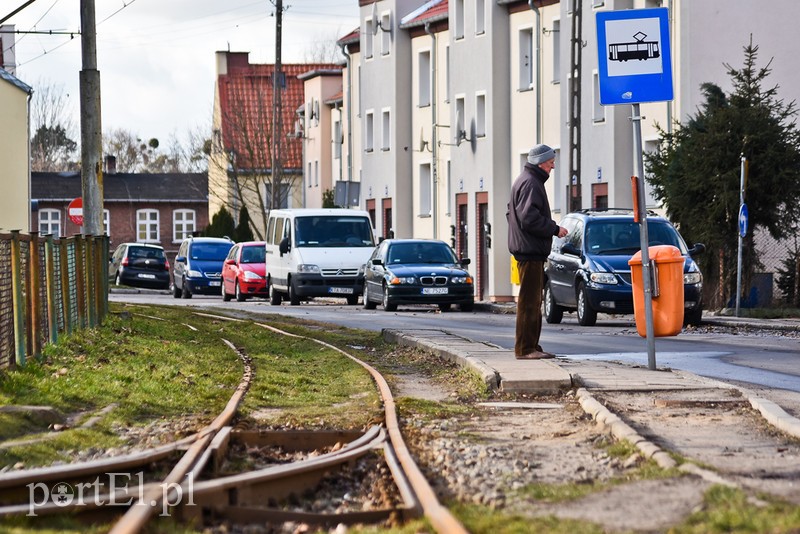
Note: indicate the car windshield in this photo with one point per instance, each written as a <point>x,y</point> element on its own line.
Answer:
<point>622,237</point>
<point>254,254</point>
<point>210,251</point>
<point>147,253</point>
<point>402,253</point>
<point>333,231</point>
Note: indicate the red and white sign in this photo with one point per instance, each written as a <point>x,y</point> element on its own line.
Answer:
<point>75,211</point>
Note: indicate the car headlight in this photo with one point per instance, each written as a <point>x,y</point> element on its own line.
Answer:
<point>692,278</point>
<point>461,280</point>
<point>394,280</point>
<point>307,268</point>
<point>195,274</point>
<point>250,276</point>
<point>603,278</point>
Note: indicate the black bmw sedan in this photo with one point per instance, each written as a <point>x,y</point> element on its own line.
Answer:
<point>417,271</point>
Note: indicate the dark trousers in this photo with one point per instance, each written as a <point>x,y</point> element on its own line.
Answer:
<point>529,307</point>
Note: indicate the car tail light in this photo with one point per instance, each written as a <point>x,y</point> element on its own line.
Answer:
<point>124,261</point>
<point>166,264</point>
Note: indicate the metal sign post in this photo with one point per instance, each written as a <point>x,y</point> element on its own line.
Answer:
<point>634,66</point>
<point>742,233</point>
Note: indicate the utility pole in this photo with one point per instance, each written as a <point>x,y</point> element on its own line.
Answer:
<point>576,46</point>
<point>91,131</point>
<point>277,82</point>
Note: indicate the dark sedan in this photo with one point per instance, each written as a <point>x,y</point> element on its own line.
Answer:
<point>417,271</point>
<point>139,265</point>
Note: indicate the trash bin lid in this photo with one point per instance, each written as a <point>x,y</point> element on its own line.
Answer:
<point>659,254</point>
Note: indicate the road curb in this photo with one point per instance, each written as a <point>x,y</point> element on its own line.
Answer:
<point>776,416</point>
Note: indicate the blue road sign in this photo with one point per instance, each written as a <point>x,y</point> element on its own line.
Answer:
<point>743,220</point>
<point>634,57</point>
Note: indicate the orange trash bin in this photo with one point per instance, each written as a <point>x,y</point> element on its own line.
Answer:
<point>667,290</point>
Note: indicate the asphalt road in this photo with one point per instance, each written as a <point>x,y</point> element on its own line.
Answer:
<point>759,357</point>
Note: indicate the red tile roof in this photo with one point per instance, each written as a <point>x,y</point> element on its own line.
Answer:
<point>432,13</point>
<point>245,99</point>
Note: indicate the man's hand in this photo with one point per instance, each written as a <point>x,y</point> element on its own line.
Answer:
<point>562,232</point>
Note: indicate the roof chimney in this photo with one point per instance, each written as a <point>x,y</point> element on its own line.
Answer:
<point>111,165</point>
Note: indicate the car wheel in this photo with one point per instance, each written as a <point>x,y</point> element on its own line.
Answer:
<point>225,295</point>
<point>388,305</point>
<point>368,304</point>
<point>185,293</point>
<point>294,300</point>
<point>176,291</point>
<point>467,306</point>
<point>352,300</point>
<point>444,307</point>
<point>274,296</point>
<point>693,317</point>
<point>553,313</point>
<point>240,297</point>
<point>586,315</point>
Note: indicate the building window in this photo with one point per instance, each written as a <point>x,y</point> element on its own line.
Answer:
<point>526,60</point>
<point>386,129</point>
<point>147,226</point>
<point>50,222</point>
<point>369,132</point>
<point>425,190</point>
<point>480,17</point>
<point>480,115</point>
<point>368,29</point>
<point>316,174</point>
<point>309,177</point>
<point>183,224</point>
<point>386,34</point>
<point>459,16</point>
<point>449,189</point>
<point>107,223</point>
<point>424,78</point>
<point>556,51</point>
<point>337,140</point>
<point>598,111</point>
<point>460,120</point>
<point>283,196</point>
<point>447,74</point>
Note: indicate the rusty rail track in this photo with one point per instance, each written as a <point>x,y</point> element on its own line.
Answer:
<point>240,498</point>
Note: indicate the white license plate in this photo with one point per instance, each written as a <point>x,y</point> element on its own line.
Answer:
<point>341,290</point>
<point>214,283</point>
<point>148,276</point>
<point>434,291</point>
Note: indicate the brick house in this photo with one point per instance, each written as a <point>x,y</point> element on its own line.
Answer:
<point>146,208</point>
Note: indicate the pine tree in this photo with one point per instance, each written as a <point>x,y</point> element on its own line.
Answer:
<point>696,171</point>
<point>222,225</point>
<point>243,231</point>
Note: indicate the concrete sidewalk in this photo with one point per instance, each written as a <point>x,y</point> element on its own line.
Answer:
<point>503,372</point>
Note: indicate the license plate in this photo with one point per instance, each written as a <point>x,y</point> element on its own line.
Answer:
<point>341,290</point>
<point>434,291</point>
<point>148,276</point>
<point>214,283</point>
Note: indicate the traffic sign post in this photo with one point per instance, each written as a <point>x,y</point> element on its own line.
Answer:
<point>743,221</point>
<point>75,211</point>
<point>634,66</point>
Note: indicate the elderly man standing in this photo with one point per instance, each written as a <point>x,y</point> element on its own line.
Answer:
<point>530,235</point>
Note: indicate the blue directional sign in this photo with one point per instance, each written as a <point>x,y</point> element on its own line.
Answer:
<point>634,58</point>
<point>743,220</point>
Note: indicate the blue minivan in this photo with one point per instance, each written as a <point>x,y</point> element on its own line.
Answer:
<point>587,271</point>
<point>198,266</point>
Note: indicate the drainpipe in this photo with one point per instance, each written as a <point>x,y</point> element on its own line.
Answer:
<point>538,32</point>
<point>346,54</point>
<point>434,145</point>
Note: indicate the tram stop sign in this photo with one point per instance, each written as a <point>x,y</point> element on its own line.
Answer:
<point>634,58</point>
<point>75,211</point>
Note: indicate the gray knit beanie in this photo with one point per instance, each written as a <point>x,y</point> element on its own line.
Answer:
<point>540,154</point>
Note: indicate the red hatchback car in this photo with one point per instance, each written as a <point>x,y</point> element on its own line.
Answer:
<point>244,272</point>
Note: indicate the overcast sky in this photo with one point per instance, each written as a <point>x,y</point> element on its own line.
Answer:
<point>156,57</point>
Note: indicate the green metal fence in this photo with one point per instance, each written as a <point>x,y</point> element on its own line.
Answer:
<point>48,286</point>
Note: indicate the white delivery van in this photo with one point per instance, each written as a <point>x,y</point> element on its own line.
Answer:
<point>317,253</point>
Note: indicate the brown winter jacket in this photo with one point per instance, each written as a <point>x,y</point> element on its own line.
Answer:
<point>530,226</point>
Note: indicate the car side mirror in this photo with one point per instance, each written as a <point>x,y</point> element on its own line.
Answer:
<point>377,261</point>
<point>570,249</point>
<point>283,247</point>
<point>698,248</point>
<point>465,261</point>
<point>180,259</point>
<point>230,261</point>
